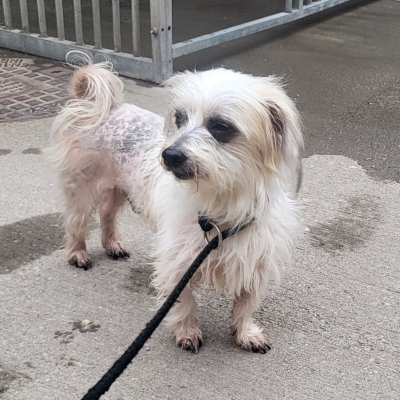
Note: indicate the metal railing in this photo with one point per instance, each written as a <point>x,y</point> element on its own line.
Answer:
<point>131,65</point>
<point>157,68</point>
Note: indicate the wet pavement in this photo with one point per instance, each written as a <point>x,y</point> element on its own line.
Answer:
<point>333,322</point>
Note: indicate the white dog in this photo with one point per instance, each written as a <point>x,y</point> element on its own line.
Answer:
<point>229,149</point>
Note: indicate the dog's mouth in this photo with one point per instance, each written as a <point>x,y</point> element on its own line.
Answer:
<point>183,176</point>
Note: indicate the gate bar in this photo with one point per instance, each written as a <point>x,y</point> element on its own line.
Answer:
<point>42,18</point>
<point>7,14</point>
<point>116,26</point>
<point>96,24</point>
<point>161,38</point>
<point>24,16</point>
<point>60,20</point>
<point>135,28</point>
<point>78,22</point>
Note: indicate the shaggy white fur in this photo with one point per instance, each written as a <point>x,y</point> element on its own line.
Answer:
<point>229,149</point>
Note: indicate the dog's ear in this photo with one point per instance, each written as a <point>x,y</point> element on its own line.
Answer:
<point>172,84</point>
<point>287,130</point>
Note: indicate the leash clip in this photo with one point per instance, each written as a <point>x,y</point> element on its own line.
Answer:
<point>206,224</point>
<point>219,233</point>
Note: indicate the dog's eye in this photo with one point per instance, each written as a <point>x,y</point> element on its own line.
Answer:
<point>221,131</point>
<point>180,119</point>
<point>220,127</point>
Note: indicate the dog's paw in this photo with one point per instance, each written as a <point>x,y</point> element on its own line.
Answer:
<point>80,259</point>
<point>252,340</point>
<point>259,346</point>
<point>116,249</point>
<point>189,339</point>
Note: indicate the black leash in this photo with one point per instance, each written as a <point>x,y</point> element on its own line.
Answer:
<point>119,366</point>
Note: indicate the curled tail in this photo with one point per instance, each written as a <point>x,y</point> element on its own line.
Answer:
<point>96,90</point>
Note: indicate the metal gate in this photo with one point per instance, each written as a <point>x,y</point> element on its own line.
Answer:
<point>157,68</point>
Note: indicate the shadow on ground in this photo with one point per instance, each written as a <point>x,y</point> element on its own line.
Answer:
<point>29,239</point>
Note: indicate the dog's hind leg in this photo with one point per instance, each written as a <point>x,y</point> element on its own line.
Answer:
<point>112,201</point>
<point>246,333</point>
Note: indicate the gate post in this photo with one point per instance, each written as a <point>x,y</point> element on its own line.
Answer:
<point>161,38</point>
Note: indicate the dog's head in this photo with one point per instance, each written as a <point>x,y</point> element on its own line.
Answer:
<point>225,128</point>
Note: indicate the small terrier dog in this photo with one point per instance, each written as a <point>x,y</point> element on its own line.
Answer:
<point>228,149</point>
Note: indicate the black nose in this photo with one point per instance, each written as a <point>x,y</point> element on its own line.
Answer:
<point>173,157</point>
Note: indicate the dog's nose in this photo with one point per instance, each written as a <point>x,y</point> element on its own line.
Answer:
<point>173,157</point>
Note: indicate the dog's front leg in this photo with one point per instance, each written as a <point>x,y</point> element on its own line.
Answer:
<point>112,201</point>
<point>183,322</point>
<point>246,333</point>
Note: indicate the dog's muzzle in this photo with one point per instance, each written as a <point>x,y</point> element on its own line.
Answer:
<point>177,162</point>
<point>173,157</point>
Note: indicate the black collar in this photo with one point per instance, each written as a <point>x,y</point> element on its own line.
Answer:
<point>206,224</point>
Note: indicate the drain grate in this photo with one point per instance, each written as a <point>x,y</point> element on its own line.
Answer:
<point>31,88</point>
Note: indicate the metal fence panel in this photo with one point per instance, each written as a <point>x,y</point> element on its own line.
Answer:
<point>248,28</point>
<point>158,68</point>
<point>125,64</point>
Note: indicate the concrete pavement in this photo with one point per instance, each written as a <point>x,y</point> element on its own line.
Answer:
<point>334,321</point>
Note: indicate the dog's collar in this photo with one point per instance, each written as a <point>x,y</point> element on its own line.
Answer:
<point>206,224</point>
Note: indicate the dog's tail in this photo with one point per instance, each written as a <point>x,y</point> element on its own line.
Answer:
<point>96,91</point>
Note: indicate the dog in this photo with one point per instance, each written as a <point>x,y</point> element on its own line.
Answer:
<point>229,149</point>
